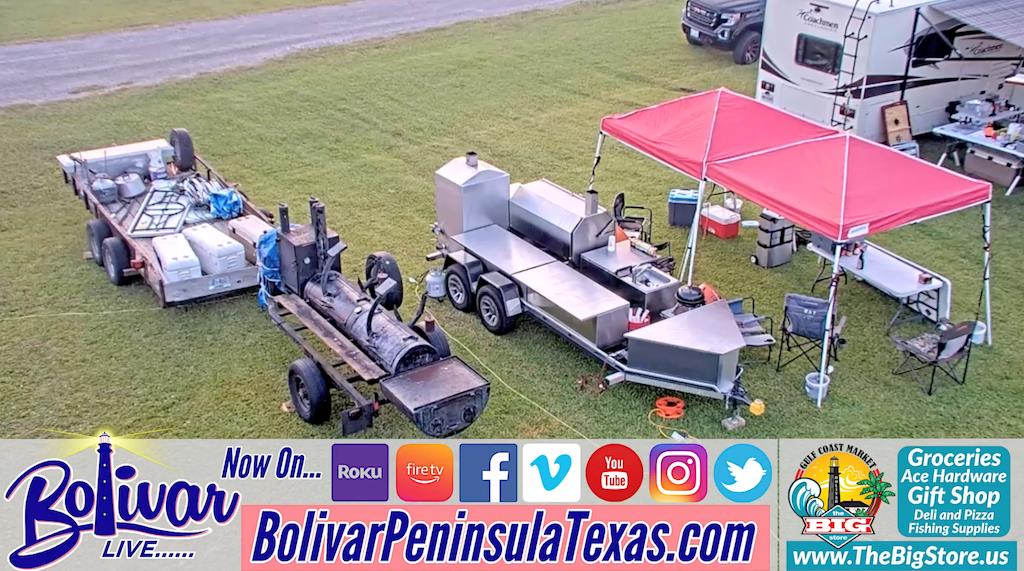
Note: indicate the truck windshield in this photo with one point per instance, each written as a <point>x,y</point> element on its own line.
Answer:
<point>819,54</point>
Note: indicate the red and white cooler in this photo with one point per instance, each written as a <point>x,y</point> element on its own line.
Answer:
<point>720,221</point>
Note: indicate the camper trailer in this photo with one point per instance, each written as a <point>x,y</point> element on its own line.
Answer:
<point>839,62</point>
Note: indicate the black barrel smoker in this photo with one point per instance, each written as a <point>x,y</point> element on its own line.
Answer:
<point>359,323</point>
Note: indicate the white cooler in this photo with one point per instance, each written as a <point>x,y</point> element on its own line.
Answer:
<point>247,230</point>
<point>177,258</point>
<point>217,252</point>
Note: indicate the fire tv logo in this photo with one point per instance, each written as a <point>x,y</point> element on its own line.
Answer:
<point>423,472</point>
<point>614,472</point>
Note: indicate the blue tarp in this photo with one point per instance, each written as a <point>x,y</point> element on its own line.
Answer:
<point>269,260</point>
<point>225,203</point>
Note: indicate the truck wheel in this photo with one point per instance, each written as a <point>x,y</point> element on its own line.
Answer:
<point>435,337</point>
<point>184,153</point>
<point>384,262</point>
<point>456,285</point>
<point>310,395</point>
<point>96,231</point>
<point>115,259</point>
<point>491,309</point>
<point>748,48</point>
<point>690,39</point>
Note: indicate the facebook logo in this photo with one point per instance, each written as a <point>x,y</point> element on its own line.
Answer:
<point>487,473</point>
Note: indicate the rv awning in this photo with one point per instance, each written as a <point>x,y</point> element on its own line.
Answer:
<point>1003,19</point>
<point>831,183</point>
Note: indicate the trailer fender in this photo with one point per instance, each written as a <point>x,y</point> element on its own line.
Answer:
<point>509,292</point>
<point>474,267</point>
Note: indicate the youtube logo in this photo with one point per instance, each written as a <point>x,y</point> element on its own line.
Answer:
<point>614,472</point>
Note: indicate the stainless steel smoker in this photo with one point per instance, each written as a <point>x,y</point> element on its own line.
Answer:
<point>540,249</point>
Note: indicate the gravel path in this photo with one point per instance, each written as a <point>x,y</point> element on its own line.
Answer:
<point>38,72</point>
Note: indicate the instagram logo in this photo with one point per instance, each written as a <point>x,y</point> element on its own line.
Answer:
<point>678,472</point>
<point>424,472</point>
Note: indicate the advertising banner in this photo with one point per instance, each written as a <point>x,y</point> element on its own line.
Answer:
<point>103,502</point>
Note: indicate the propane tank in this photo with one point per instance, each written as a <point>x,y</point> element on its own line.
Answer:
<point>389,342</point>
<point>435,284</point>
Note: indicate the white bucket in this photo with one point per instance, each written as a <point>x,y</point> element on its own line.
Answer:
<point>733,203</point>
<point>812,385</point>
<point>980,333</point>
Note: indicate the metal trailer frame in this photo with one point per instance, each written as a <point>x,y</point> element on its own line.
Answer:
<point>480,270</point>
<point>140,249</point>
<point>347,366</point>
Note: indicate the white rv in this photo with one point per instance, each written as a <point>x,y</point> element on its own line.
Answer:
<point>839,62</point>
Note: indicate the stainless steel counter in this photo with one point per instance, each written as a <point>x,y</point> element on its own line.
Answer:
<point>576,294</point>
<point>500,249</point>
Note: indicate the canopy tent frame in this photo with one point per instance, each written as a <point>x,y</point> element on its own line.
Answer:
<point>689,260</point>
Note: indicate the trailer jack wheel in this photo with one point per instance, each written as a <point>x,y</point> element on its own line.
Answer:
<point>309,391</point>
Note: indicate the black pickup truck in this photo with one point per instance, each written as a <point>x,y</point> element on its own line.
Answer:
<point>733,25</point>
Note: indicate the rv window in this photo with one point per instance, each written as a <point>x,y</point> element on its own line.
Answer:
<point>818,54</point>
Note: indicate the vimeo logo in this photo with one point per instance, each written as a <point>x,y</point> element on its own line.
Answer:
<point>551,472</point>
<point>487,473</point>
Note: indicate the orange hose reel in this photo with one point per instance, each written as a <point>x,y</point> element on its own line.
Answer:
<point>670,408</point>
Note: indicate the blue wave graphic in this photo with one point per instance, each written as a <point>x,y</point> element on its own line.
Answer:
<point>803,498</point>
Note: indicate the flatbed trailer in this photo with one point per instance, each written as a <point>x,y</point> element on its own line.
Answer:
<point>125,253</point>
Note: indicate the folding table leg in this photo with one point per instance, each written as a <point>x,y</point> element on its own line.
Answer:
<point>1013,185</point>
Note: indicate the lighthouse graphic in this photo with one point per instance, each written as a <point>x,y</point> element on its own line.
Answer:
<point>104,525</point>
<point>833,483</point>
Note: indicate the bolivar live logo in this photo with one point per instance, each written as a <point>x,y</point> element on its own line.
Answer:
<point>837,491</point>
<point>77,508</point>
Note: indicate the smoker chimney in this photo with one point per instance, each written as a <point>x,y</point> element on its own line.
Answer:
<point>471,159</point>
<point>591,203</point>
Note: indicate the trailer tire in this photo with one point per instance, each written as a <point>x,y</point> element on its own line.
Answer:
<point>96,231</point>
<point>435,337</point>
<point>456,286</point>
<point>384,262</point>
<point>115,259</point>
<point>747,49</point>
<point>491,308</point>
<point>184,152</point>
<point>308,388</point>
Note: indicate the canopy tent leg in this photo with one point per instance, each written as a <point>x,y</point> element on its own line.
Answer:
<point>597,160</point>
<point>826,342</point>
<point>690,257</point>
<point>986,234</point>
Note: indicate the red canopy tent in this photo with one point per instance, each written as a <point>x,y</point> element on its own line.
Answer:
<point>829,182</point>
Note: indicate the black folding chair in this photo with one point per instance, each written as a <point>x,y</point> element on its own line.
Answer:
<point>638,225</point>
<point>803,329</point>
<point>941,351</point>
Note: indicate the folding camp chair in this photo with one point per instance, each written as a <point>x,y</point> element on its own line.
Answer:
<point>940,351</point>
<point>803,329</point>
<point>752,325</point>
<point>635,226</point>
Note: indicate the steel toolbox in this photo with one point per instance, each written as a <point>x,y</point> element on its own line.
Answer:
<point>774,240</point>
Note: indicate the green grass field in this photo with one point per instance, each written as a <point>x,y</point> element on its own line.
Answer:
<point>22,20</point>
<point>363,128</point>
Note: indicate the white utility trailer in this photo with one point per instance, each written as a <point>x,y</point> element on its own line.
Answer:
<point>142,191</point>
<point>839,62</point>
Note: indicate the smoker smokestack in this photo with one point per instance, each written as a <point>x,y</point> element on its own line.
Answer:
<point>471,159</point>
<point>591,202</point>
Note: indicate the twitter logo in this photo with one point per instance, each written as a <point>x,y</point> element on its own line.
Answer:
<point>743,473</point>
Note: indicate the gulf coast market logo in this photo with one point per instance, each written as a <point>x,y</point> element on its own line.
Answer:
<point>59,510</point>
<point>837,492</point>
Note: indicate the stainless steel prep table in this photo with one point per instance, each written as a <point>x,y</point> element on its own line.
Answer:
<point>500,249</point>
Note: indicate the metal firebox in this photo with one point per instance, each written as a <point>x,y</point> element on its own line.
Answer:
<point>469,194</point>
